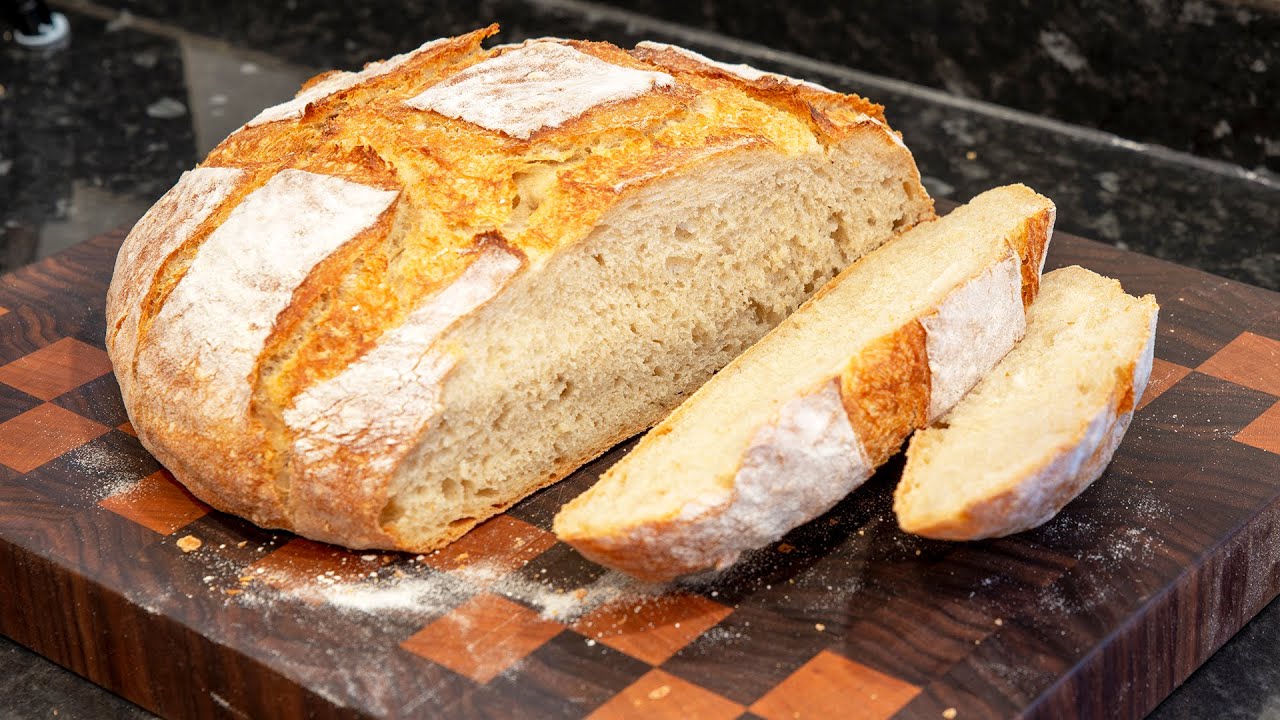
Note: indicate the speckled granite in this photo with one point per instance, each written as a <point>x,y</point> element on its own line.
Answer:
<point>90,136</point>
<point>1195,75</point>
<point>106,116</point>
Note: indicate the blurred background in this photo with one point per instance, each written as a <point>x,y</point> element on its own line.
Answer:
<point>1154,124</point>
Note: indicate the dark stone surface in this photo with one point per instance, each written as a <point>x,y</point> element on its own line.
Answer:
<point>1195,75</point>
<point>1240,682</point>
<point>32,687</point>
<point>105,115</point>
<point>80,152</point>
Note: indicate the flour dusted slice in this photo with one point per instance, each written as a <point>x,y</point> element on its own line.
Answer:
<point>1042,425</point>
<point>805,415</point>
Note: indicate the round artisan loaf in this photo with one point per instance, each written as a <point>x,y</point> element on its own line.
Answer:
<point>395,305</point>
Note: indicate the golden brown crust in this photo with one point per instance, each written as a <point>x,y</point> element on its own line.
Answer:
<point>885,390</point>
<point>1032,244</point>
<point>1126,401</point>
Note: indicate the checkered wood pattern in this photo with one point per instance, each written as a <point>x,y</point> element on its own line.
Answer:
<point>844,618</point>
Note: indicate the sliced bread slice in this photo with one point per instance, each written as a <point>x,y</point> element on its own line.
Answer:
<point>1040,427</point>
<point>805,415</point>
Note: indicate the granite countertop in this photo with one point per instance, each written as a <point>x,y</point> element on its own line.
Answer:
<point>1152,124</point>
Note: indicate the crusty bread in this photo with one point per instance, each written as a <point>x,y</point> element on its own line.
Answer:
<point>804,416</point>
<point>1043,424</point>
<point>388,309</point>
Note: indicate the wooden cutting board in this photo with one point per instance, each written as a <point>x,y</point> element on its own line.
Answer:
<point>1100,613</point>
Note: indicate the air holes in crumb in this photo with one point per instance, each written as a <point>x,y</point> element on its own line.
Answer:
<point>763,315</point>
<point>700,336</point>
<point>462,521</point>
<point>840,231</point>
<point>450,489</point>
<point>678,266</point>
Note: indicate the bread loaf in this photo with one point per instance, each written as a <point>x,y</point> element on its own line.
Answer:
<point>395,305</point>
<point>804,417</point>
<point>1042,426</point>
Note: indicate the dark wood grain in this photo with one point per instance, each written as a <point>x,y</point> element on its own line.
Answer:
<point>1100,613</point>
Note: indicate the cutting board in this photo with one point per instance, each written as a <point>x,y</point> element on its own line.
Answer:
<point>111,569</point>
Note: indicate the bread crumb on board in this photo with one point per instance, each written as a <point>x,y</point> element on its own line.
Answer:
<point>949,713</point>
<point>189,543</point>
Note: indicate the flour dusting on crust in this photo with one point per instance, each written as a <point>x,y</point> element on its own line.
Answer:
<point>350,409</point>
<point>333,83</point>
<point>539,85</point>
<point>971,331</point>
<point>796,467</point>
<point>164,228</point>
<point>218,318</point>
<point>350,412</point>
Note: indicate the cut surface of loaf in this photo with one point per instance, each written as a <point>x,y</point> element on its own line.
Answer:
<point>393,306</point>
<point>804,416</point>
<point>1043,425</point>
